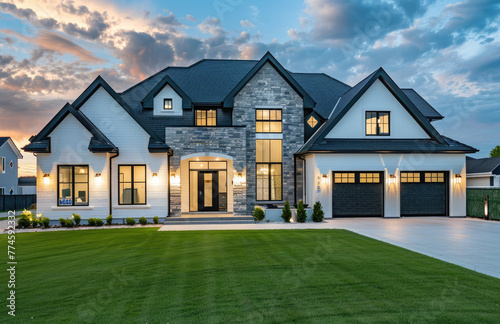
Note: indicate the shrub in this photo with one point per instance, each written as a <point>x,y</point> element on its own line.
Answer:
<point>143,220</point>
<point>91,221</point>
<point>62,221</point>
<point>156,220</point>
<point>109,220</point>
<point>130,221</point>
<point>287,213</point>
<point>69,223</point>
<point>258,214</point>
<point>45,222</point>
<point>24,221</point>
<point>98,222</point>
<point>76,218</point>
<point>35,222</point>
<point>318,213</point>
<point>301,212</point>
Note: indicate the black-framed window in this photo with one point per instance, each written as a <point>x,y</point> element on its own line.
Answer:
<point>2,164</point>
<point>206,117</point>
<point>73,185</point>
<point>132,184</point>
<point>167,103</point>
<point>378,123</point>
<point>268,121</point>
<point>2,191</point>
<point>268,160</point>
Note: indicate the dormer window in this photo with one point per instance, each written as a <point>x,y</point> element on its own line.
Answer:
<point>167,104</point>
<point>377,123</point>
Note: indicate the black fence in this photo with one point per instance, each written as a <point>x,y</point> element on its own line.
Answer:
<point>16,202</point>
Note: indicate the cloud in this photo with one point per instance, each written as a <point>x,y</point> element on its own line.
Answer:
<point>247,24</point>
<point>190,18</point>
<point>96,26</point>
<point>169,20</point>
<point>5,59</point>
<point>12,9</point>
<point>52,41</point>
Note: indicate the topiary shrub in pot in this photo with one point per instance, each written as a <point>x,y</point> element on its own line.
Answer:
<point>143,221</point>
<point>301,212</point>
<point>318,213</point>
<point>109,220</point>
<point>76,218</point>
<point>258,214</point>
<point>156,220</point>
<point>287,213</point>
<point>130,221</point>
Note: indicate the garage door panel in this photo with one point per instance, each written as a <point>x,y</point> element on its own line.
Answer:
<point>425,196</point>
<point>357,197</point>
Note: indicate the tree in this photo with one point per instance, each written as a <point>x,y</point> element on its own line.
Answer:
<point>495,152</point>
<point>318,213</point>
<point>287,213</point>
<point>301,213</point>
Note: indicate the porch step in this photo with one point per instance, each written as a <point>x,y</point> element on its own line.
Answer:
<point>208,220</point>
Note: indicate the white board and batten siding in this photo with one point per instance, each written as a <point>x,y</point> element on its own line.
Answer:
<point>70,142</point>
<point>378,98</point>
<point>167,93</point>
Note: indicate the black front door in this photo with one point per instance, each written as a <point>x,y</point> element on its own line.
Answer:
<point>208,190</point>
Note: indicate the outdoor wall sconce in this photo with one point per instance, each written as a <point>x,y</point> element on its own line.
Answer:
<point>324,179</point>
<point>155,175</point>
<point>98,178</point>
<point>175,180</point>
<point>458,179</point>
<point>392,179</point>
<point>239,180</point>
<point>46,178</point>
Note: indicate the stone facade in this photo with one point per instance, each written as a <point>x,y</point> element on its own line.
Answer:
<point>224,140</point>
<point>268,89</point>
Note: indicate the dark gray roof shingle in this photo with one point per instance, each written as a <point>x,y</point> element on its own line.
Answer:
<point>483,165</point>
<point>3,140</point>
<point>427,110</point>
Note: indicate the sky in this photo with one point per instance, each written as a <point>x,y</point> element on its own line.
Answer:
<point>448,51</point>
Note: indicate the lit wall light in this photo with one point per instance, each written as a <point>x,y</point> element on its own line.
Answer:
<point>98,178</point>
<point>458,179</point>
<point>46,178</point>
<point>392,179</point>
<point>239,180</point>
<point>175,180</point>
<point>324,179</point>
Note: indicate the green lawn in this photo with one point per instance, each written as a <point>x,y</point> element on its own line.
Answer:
<point>317,276</point>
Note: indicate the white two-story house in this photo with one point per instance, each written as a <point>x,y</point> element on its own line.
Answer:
<point>222,136</point>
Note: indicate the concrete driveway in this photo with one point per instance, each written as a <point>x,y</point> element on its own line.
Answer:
<point>470,243</point>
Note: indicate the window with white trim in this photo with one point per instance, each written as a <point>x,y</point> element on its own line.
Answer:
<point>2,164</point>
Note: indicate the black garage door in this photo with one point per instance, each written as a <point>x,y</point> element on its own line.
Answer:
<point>424,193</point>
<point>358,194</point>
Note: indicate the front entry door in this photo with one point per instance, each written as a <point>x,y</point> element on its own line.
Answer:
<point>208,191</point>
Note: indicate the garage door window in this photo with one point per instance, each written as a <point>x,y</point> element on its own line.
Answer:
<point>369,178</point>
<point>434,177</point>
<point>344,177</point>
<point>413,177</point>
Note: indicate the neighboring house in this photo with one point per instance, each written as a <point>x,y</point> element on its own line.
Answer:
<point>9,154</point>
<point>226,135</point>
<point>26,185</point>
<point>483,172</point>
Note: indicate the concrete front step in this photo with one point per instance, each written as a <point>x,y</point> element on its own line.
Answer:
<point>208,220</point>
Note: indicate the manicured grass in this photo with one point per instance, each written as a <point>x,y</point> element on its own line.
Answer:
<point>145,276</point>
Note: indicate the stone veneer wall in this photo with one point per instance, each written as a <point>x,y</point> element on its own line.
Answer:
<point>268,89</point>
<point>225,140</point>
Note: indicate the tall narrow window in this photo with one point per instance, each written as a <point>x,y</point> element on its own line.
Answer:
<point>73,185</point>
<point>132,184</point>
<point>2,164</point>
<point>378,123</point>
<point>206,117</point>
<point>167,103</point>
<point>268,159</point>
<point>268,121</point>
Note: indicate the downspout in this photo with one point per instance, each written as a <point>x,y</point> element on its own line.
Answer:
<point>169,200</point>
<point>111,182</point>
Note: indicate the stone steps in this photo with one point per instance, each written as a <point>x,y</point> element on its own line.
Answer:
<point>186,220</point>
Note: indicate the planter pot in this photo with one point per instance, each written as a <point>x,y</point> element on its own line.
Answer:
<point>274,215</point>
<point>309,213</point>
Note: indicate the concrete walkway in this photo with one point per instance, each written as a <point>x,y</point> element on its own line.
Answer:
<point>466,242</point>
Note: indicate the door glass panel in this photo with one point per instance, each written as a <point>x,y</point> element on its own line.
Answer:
<point>222,182</point>
<point>195,165</point>
<point>217,165</point>
<point>193,191</point>
<point>207,181</point>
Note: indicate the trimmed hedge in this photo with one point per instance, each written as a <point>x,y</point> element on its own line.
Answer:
<point>475,202</point>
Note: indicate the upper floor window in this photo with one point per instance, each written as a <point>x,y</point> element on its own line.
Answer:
<point>312,122</point>
<point>2,164</point>
<point>73,185</point>
<point>167,104</point>
<point>132,184</point>
<point>378,123</point>
<point>206,117</point>
<point>2,191</point>
<point>268,121</point>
